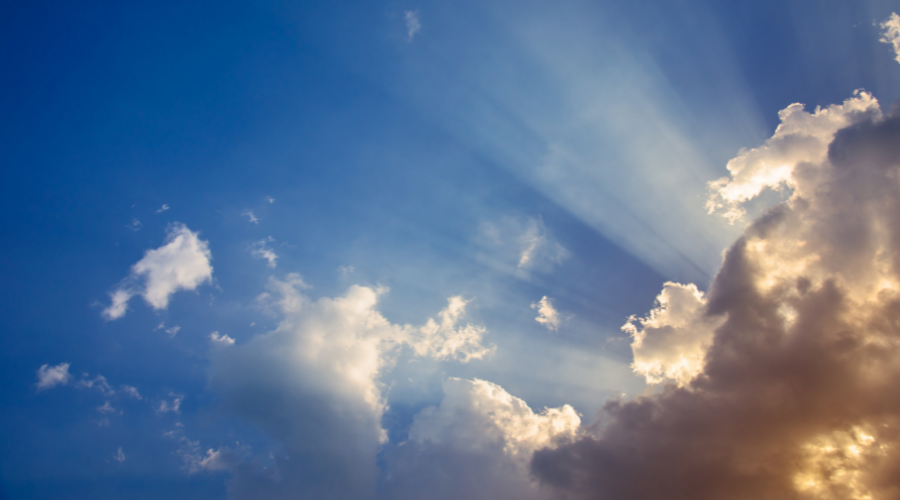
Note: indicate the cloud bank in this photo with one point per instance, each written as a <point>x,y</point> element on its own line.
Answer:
<point>783,377</point>
<point>182,263</point>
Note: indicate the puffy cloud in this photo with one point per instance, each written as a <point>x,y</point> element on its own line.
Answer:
<point>547,314</point>
<point>521,245</point>
<point>672,340</point>
<point>52,376</point>
<point>174,406</point>
<point>313,385</point>
<point>801,138</point>
<point>223,339</point>
<point>182,263</point>
<point>261,249</point>
<point>795,396</point>
<point>891,34</point>
<point>413,24</point>
<point>476,445</point>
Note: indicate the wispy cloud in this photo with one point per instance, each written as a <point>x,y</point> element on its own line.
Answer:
<point>52,376</point>
<point>520,245</point>
<point>163,208</point>
<point>413,24</point>
<point>250,216</point>
<point>261,249</point>
<point>547,314</point>
<point>119,456</point>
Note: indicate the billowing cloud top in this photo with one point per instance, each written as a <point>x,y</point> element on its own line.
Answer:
<point>182,263</point>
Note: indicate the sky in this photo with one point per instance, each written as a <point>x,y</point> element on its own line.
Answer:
<point>471,250</point>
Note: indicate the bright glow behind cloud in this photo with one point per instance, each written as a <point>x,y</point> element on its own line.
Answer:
<point>891,35</point>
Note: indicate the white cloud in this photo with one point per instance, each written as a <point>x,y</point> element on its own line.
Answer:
<point>477,444</point>
<point>801,138</point>
<point>132,391</point>
<point>269,199</point>
<point>413,24</point>
<point>215,338</point>
<point>313,382</point>
<point>51,376</point>
<point>345,270</point>
<point>106,408</point>
<point>182,263</point>
<point>163,208</point>
<point>260,249</point>
<point>135,225</point>
<point>174,406</point>
<point>520,246</point>
<point>672,340</point>
<point>250,216</point>
<point>547,314</point>
<point>891,34</point>
<point>119,456</point>
<point>99,383</point>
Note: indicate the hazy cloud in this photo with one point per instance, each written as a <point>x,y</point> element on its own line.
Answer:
<point>119,456</point>
<point>413,25</point>
<point>52,376</point>
<point>163,208</point>
<point>182,263</point>
<point>547,314</point>
<point>520,245</point>
<point>261,249</point>
<point>250,216</point>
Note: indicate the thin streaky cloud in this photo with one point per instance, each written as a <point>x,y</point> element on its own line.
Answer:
<point>413,24</point>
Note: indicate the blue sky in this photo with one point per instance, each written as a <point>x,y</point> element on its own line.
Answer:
<point>288,191</point>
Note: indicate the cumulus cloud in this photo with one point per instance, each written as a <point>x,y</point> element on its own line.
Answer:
<point>261,249</point>
<point>547,314</point>
<point>182,263</point>
<point>477,444</point>
<point>785,373</point>
<point>891,34</point>
<point>670,343</point>
<point>313,385</point>
<point>413,24</point>
<point>223,339</point>
<point>52,376</point>
<point>520,245</point>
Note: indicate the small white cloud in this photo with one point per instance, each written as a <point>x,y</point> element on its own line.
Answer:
<point>346,270</point>
<point>119,456</point>
<point>174,406</point>
<point>135,225</point>
<point>106,408</point>
<point>250,216</point>
<point>51,376</point>
<point>270,199</point>
<point>220,339</point>
<point>99,383</point>
<point>547,314</point>
<point>132,391</point>
<point>261,249</point>
<point>162,208</point>
<point>891,35</point>
<point>181,264</point>
<point>413,24</point>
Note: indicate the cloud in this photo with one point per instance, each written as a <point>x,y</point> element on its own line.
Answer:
<point>794,397</point>
<point>250,215</point>
<point>672,340</point>
<point>476,445</point>
<point>135,225</point>
<point>260,249</point>
<point>891,34</point>
<point>99,383</point>
<point>547,314</point>
<point>182,263</point>
<point>269,199</point>
<point>132,391</point>
<point>520,245</point>
<point>801,138</point>
<point>52,376</point>
<point>163,208</point>
<point>313,385</point>
<point>174,406</point>
<point>106,408</point>
<point>413,25</point>
<point>215,338</point>
<point>119,456</point>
